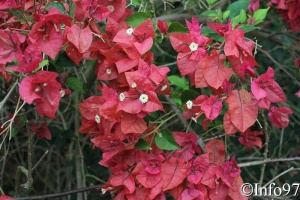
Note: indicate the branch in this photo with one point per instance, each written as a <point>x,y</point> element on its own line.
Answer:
<point>279,66</point>
<point>67,193</point>
<point>271,37</point>
<point>259,162</point>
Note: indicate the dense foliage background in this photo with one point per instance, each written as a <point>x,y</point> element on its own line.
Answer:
<point>64,161</point>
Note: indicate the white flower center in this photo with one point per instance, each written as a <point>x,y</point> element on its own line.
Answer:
<point>163,88</point>
<point>129,31</point>
<point>133,85</point>
<point>111,8</point>
<point>103,191</point>
<point>45,84</point>
<point>37,89</point>
<point>121,96</point>
<point>143,98</point>
<point>193,46</point>
<point>97,119</point>
<point>62,93</point>
<point>108,71</point>
<point>189,104</point>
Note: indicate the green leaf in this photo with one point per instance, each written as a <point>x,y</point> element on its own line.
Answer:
<point>16,12</point>
<point>248,28</point>
<point>211,2</point>
<point>180,82</point>
<point>72,9</point>
<point>41,65</point>
<point>165,140</point>
<point>235,7</point>
<point>177,27</point>
<point>259,15</point>
<point>220,15</point>
<point>187,95</point>
<point>243,16</point>
<point>136,2</point>
<point>57,5</point>
<point>75,84</point>
<point>226,14</point>
<point>176,98</point>
<point>154,115</point>
<point>142,145</point>
<point>235,21</point>
<point>137,18</point>
<point>209,13</point>
<point>14,132</point>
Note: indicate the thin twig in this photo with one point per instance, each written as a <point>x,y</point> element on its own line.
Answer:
<point>259,162</point>
<point>8,95</point>
<point>61,194</point>
<point>266,132</point>
<point>279,66</point>
<point>281,174</point>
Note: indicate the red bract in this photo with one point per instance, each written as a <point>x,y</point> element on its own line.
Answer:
<point>188,144</point>
<point>47,34</point>
<point>135,41</point>
<point>243,109</point>
<point>89,8</point>
<point>162,26</point>
<point>211,107</point>
<point>250,138</point>
<point>290,12</point>
<point>81,38</point>
<point>212,69</point>
<point>174,172</point>
<point>29,60</point>
<point>3,73</point>
<point>239,52</point>
<point>264,87</point>
<point>215,150</point>
<point>42,131</point>
<point>191,47</point>
<point>43,89</point>
<point>297,62</point>
<point>198,168</point>
<point>132,124</point>
<point>221,29</point>
<point>10,42</point>
<point>194,26</point>
<point>253,6</point>
<point>229,127</point>
<point>279,116</point>
<point>146,77</point>
<point>149,170</point>
<point>5,197</point>
<point>138,102</point>
<point>122,177</point>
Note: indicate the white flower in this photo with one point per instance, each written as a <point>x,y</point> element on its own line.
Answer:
<point>129,31</point>
<point>163,88</point>
<point>97,119</point>
<point>103,191</point>
<point>45,84</point>
<point>133,85</point>
<point>37,89</point>
<point>144,98</point>
<point>121,96</point>
<point>193,46</point>
<point>108,71</point>
<point>189,104</point>
<point>111,8</point>
<point>62,93</point>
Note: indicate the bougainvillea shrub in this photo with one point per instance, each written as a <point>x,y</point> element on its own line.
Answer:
<point>214,84</point>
